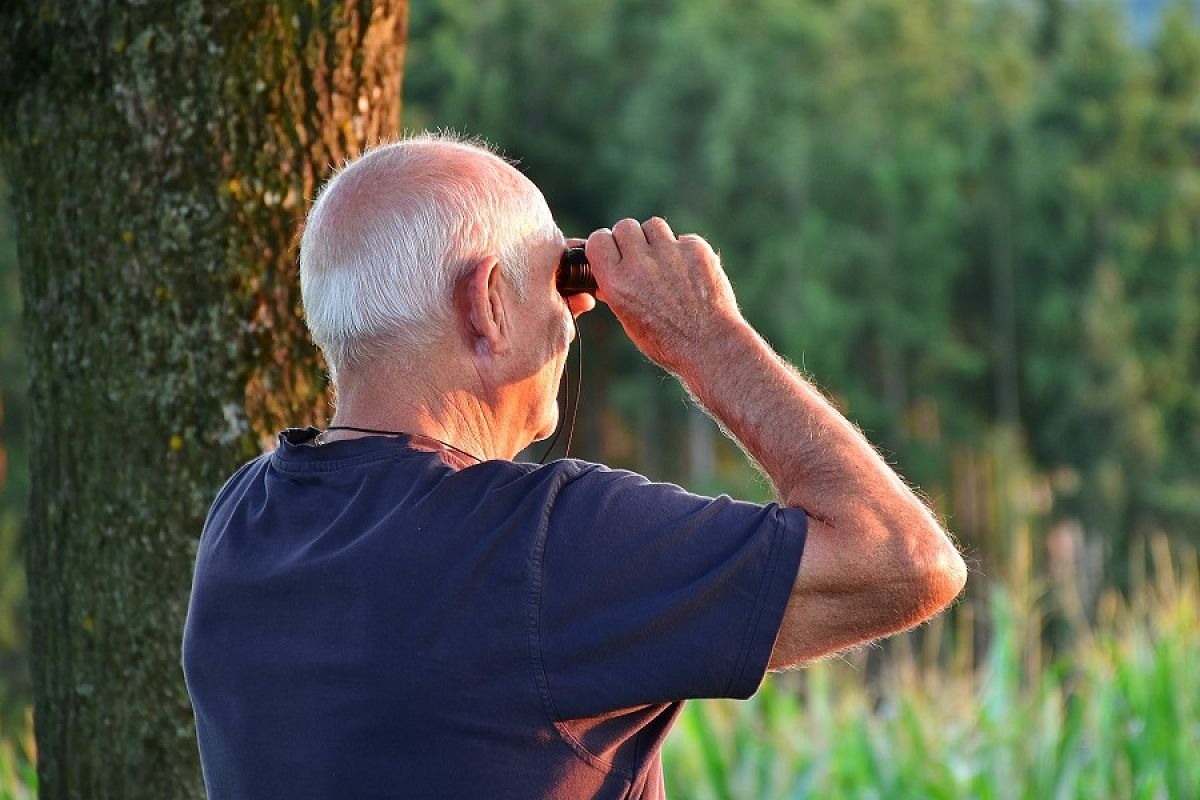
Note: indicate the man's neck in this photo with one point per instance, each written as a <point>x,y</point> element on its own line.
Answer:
<point>454,416</point>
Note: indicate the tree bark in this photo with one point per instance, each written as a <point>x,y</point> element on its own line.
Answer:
<point>161,156</point>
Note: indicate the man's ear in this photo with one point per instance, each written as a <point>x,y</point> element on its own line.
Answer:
<point>482,316</point>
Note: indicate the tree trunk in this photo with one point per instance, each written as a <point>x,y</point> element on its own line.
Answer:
<point>161,156</point>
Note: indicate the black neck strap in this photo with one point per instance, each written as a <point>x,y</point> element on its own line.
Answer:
<point>380,432</point>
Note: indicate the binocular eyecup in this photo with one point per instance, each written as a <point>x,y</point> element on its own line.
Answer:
<point>575,273</point>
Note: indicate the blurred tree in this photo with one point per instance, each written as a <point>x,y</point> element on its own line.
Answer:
<point>160,156</point>
<point>1171,269</point>
<point>1111,253</point>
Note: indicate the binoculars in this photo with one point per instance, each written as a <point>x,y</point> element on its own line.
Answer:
<point>575,273</point>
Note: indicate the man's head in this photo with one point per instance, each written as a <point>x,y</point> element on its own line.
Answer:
<point>427,271</point>
<point>393,230</point>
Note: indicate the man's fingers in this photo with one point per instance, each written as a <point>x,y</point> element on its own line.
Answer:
<point>656,229</point>
<point>581,303</point>
<point>697,245</point>
<point>601,249</point>
<point>630,240</point>
<point>629,236</point>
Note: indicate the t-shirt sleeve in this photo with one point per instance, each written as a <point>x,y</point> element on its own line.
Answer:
<point>651,594</point>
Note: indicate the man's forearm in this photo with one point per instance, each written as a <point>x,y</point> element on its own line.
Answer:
<point>816,459</point>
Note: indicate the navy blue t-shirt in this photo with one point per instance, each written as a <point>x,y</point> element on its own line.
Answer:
<point>368,621</point>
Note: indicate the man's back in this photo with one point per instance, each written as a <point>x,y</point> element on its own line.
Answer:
<point>367,621</point>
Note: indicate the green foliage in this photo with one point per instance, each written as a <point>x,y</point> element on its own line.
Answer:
<point>18,757</point>
<point>1104,718</point>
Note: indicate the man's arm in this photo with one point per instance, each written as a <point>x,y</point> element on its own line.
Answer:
<point>876,561</point>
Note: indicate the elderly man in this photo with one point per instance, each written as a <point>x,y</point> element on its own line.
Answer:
<point>393,607</point>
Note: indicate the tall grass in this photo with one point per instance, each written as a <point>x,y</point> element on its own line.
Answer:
<point>1113,713</point>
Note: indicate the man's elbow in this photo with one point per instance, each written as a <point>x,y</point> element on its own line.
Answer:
<point>844,601</point>
<point>934,577</point>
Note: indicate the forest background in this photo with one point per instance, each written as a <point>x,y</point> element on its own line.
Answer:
<point>975,224</point>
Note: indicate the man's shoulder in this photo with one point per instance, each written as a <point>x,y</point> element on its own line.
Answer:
<point>563,471</point>
<point>568,481</point>
<point>499,473</point>
<point>243,473</point>
<point>572,467</point>
<point>235,484</point>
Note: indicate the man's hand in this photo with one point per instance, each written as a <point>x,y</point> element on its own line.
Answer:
<point>670,295</point>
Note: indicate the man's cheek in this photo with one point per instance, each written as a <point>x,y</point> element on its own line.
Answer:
<point>559,334</point>
<point>568,328</point>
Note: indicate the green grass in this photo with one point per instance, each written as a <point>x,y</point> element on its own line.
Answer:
<point>1113,714</point>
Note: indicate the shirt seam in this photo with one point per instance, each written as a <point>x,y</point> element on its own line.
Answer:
<point>541,677</point>
<point>288,465</point>
<point>285,464</point>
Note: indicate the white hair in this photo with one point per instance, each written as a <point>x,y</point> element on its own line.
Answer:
<point>391,232</point>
